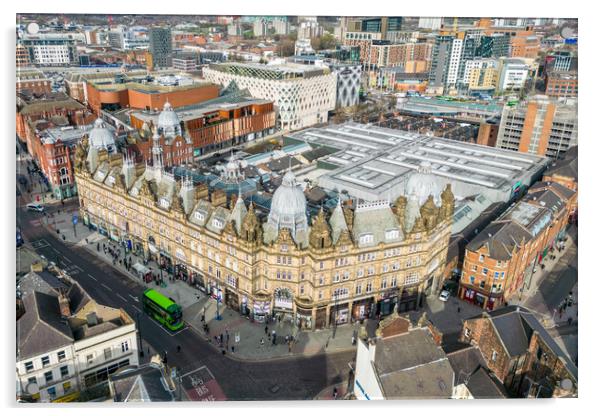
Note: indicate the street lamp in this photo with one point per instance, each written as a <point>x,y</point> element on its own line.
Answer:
<point>139,334</point>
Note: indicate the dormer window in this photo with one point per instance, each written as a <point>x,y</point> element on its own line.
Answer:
<point>366,238</point>
<point>217,223</point>
<point>199,216</point>
<point>391,234</point>
<point>164,203</point>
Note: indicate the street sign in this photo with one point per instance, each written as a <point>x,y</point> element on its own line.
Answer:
<point>74,219</point>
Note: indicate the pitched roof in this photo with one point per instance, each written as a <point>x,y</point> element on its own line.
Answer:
<point>143,384</point>
<point>566,168</point>
<point>41,328</point>
<point>411,365</point>
<point>500,238</point>
<point>516,325</point>
<point>482,385</point>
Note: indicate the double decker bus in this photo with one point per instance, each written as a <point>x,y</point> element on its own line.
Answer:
<point>162,309</point>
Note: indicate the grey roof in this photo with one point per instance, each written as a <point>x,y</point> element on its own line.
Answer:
<point>375,219</point>
<point>560,190</point>
<point>482,385</point>
<point>567,168</point>
<point>515,326</point>
<point>41,328</point>
<point>546,198</point>
<point>465,362</point>
<point>43,281</point>
<point>411,365</point>
<point>499,238</point>
<point>221,214</point>
<point>141,384</point>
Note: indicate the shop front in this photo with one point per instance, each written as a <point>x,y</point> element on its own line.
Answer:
<point>166,262</point>
<point>361,309</point>
<point>214,291</point>
<point>244,306</point>
<point>387,303</point>
<point>181,272</point>
<point>321,318</point>
<point>303,317</point>
<point>340,314</point>
<point>196,280</point>
<point>232,299</point>
<point>114,234</point>
<point>153,251</point>
<point>261,310</point>
<point>283,305</point>
<point>408,299</point>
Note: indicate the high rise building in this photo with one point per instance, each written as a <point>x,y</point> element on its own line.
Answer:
<point>260,28</point>
<point>440,62</point>
<point>541,126</point>
<point>160,47</point>
<point>50,49</point>
<point>281,27</point>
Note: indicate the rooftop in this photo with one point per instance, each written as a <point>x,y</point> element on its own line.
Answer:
<point>276,72</point>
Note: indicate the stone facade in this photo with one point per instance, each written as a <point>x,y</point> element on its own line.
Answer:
<point>333,271</point>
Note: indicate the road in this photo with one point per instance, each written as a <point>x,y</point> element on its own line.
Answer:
<point>282,379</point>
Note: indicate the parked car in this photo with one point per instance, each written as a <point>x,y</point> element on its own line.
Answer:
<point>444,296</point>
<point>35,207</point>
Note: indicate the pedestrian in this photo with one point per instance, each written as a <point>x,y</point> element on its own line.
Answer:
<point>570,321</point>
<point>203,318</point>
<point>148,350</point>
<point>232,349</point>
<point>286,339</point>
<point>459,309</point>
<point>227,337</point>
<point>221,338</point>
<point>261,342</point>
<point>290,346</point>
<point>335,392</point>
<point>274,337</point>
<point>266,329</point>
<point>353,339</point>
<point>178,348</point>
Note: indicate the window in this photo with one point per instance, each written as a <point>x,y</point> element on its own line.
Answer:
<point>45,361</point>
<point>28,366</point>
<point>217,223</point>
<point>48,376</point>
<point>52,393</point>
<point>89,358</point>
<point>60,355</point>
<point>496,275</point>
<point>482,284</point>
<point>474,268</point>
<point>360,273</point>
<point>385,268</point>
<point>467,332</point>
<point>66,386</point>
<point>366,238</point>
<point>472,280</point>
<point>370,271</point>
<point>320,295</point>
<point>485,271</point>
<point>32,380</point>
<point>199,216</point>
<point>383,284</point>
<point>358,289</point>
<point>394,281</point>
<point>502,275</point>
<point>302,289</point>
<point>368,287</point>
<point>391,234</point>
<point>481,258</point>
<point>64,371</point>
<point>125,346</point>
<point>321,265</point>
<point>493,356</point>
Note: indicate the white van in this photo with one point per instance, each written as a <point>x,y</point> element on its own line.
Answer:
<point>35,207</point>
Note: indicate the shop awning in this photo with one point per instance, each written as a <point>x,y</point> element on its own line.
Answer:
<point>140,268</point>
<point>153,249</point>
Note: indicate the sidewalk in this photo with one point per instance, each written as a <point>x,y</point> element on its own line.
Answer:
<point>553,319</point>
<point>194,303</point>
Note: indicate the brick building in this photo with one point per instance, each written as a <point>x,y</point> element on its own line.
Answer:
<point>34,81</point>
<point>500,260</point>
<point>149,92</point>
<point>561,84</point>
<point>524,44</point>
<point>521,353</point>
<point>30,108</point>
<point>564,171</point>
<point>211,125</point>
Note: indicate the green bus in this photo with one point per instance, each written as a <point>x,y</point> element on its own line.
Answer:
<point>162,309</point>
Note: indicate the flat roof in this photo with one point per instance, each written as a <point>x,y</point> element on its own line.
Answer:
<point>66,134</point>
<point>377,159</point>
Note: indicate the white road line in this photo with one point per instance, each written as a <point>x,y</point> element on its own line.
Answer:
<point>56,251</point>
<point>105,286</point>
<point>133,297</point>
<point>67,260</point>
<point>135,307</point>
<point>121,297</point>
<point>78,268</point>
<point>92,277</point>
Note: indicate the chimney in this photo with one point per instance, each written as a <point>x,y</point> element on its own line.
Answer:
<point>64,305</point>
<point>91,319</point>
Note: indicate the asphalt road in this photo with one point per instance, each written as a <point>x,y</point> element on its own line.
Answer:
<point>281,379</point>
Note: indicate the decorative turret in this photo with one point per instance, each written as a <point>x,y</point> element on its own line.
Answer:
<point>337,222</point>
<point>412,213</point>
<point>219,198</point>
<point>429,213</point>
<point>447,203</point>
<point>251,229</point>
<point>128,169</point>
<point>187,193</point>
<point>319,235</point>
<point>80,154</point>
<point>239,211</point>
<point>146,191</point>
<point>399,208</point>
<point>348,217</point>
<point>177,206</point>
<point>418,225</point>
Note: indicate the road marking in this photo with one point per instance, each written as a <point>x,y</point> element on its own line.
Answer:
<point>92,277</point>
<point>133,297</point>
<point>105,286</point>
<point>135,307</point>
<point>67,260</point>
<point>124,299</point>
<point>56,251</point>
